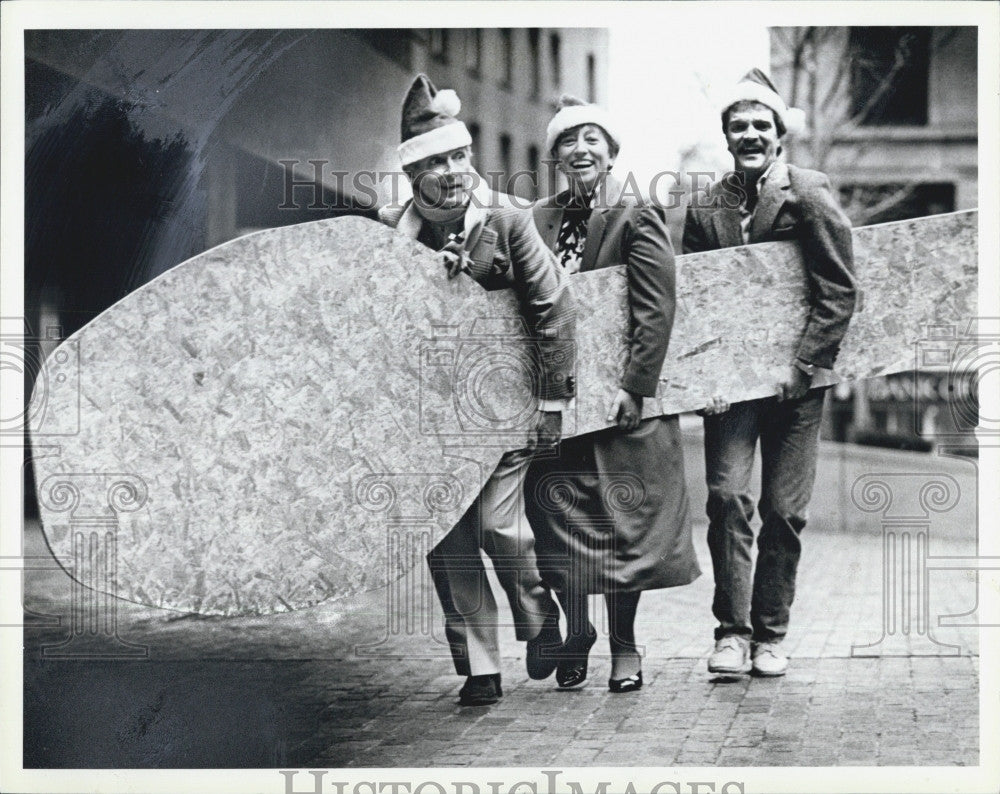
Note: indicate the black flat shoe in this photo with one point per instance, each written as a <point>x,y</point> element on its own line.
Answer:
<point>631,684</point>
<point>572,668</point>
<point>480,690</point>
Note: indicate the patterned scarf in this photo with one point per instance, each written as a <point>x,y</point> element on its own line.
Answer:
<point>573,232</point>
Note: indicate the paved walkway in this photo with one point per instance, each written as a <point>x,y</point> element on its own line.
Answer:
<point>331,687</point>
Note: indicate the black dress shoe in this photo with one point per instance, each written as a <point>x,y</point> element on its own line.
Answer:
<point>631,684</point>
<point>542,653</point>
<point>572,668</point>
<point>480,690</point>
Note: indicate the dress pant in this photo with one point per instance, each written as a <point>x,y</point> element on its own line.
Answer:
<point>495,523</point>
<point>756,604</point>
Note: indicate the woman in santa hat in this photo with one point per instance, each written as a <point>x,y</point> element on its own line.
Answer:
<point>610,514</point>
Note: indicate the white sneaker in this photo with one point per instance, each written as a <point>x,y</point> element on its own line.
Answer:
<point>731,656</point>
<point>769,659</point>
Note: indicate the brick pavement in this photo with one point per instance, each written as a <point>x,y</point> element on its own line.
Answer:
<point>292,690</point>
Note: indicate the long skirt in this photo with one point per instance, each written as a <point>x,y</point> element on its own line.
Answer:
<point>610,513</point>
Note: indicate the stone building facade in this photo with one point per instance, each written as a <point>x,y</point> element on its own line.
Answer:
<point>892,118</point>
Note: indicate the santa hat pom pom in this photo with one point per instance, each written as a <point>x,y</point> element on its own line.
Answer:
<point>795,121</point>
<point>568,101</point>
<point>447,102</point>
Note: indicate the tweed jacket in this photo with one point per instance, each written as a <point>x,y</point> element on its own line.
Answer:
<point>506,252</point>
<point>794,204</point>
<point>626,230</point>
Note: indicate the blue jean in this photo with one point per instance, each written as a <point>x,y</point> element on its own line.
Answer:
<point>748,603</point>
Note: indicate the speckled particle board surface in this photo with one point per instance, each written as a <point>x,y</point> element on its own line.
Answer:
<point>302,413</point>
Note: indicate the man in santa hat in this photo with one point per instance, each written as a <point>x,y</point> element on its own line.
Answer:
<point>486,236</point>
<point>765,199</point>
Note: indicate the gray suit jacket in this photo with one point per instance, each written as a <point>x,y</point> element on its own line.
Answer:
<point>620,231</point>
<point>794,204</point>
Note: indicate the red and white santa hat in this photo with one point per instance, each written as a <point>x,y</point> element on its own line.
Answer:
<point>573,112</point>
<point>755,86</point>
<point>429,125</point>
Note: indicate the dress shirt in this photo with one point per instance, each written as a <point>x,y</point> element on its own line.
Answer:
<point>746,215</point>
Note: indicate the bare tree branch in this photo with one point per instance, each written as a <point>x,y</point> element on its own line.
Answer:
<point>862,213</point>
<point>901,59</point>
<point>811,52</point>
<point>943,38</point>
<point>843,67</point>
<point>798,51</point>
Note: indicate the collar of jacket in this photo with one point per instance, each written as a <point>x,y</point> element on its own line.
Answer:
<point>476,214</point>
<point>728,196</point>
<point>772,195</point>
<point>608,196</point>
<point>731,184</point>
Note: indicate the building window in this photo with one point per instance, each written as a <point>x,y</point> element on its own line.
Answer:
<point>555,60</point>
<point>534,63</point>
<point>534,165</point>
<point>506,57</point>
<point>474,134</point>
<point>394,43</point>
<point>897,201</point>
<point>889,75</point>
<point>437,44</point>
<point>505,163</point>
<point>591,78</point>
<point>474,50</point>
